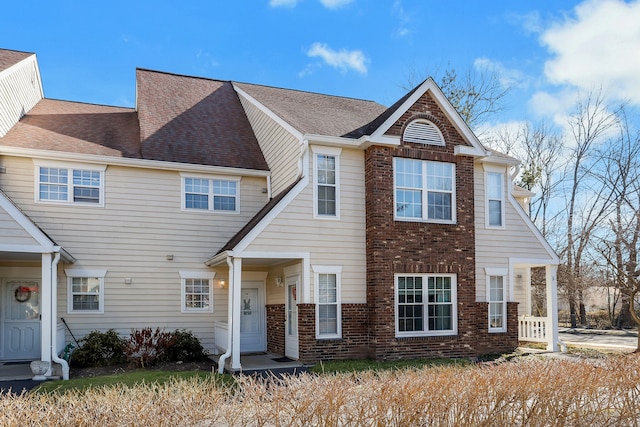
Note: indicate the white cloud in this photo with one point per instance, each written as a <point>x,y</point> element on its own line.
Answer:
<point>597,47</point>
<point>508,77</point>
<point>404,19</point>
<point>283,3</point>
<point>343,59</point>
<point>334,4</point>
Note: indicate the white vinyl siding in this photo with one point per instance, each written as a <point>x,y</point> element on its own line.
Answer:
<point>20,91</point>
<point>280,148</point>
<point>424,190</point>
<point>327,242</point>
<point>133,237</point>
<point>426,304</point>
<point>496,246</point>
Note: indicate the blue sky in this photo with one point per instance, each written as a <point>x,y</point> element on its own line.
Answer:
<point>545,49</point>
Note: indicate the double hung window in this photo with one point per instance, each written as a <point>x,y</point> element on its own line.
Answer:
<point>326,167</point>
<point>197,291</point>
<point>426,305</point>
<point>495,199</point>
<point>328,312</point>
<point>219,195</point>
<point>497,304</point>
<point>424,190</point>
<point>85,291</point>
<point>70,184</point>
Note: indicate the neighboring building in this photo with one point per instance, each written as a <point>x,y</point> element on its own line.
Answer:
<point>262,219</point>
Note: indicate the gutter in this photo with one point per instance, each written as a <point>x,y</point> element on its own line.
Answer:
<point>227,354</point>
<point>54,316</point>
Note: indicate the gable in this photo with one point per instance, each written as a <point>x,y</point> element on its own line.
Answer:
<point>22,235</point>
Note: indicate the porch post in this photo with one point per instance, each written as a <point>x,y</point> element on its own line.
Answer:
<point>235,325</point>
<point>46,297</point>
<point>552,306</point>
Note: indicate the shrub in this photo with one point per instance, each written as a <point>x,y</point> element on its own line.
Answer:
<point>99,349</point>
<point>146,346</point>
<point>186,347</point>
<point>599,319</point>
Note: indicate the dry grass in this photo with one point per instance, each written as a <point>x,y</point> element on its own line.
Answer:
<point>529,392</point>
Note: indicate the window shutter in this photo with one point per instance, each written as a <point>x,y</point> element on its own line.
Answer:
<point>423,132</point>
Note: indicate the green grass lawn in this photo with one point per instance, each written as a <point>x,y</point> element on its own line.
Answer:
<point>129,379</point>
<point>343,366</point>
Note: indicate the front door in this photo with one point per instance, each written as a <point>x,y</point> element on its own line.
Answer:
<point>252,318</point>
<point>291,322</point>
<point>21,320</point>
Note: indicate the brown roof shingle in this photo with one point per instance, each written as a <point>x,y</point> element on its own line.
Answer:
<point>314,113</point>
<point>194,120</point>
<point>77,128</point>
<point>11,57</point>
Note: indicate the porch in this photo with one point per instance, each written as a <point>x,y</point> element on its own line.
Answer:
<point>535,288</point>
<point>264,363</point>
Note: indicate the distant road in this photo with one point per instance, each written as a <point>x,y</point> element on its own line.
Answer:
<point>625,340</point>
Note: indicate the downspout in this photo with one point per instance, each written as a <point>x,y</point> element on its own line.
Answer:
<point>227,354</point>
<point>54,316</point>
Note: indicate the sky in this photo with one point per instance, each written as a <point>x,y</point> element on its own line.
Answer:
<point>546,51</point>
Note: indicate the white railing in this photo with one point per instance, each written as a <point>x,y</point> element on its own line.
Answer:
<point>221,330</point>
<point>533,329</point>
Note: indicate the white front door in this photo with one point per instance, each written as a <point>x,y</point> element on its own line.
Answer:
<point>20,320</point>
<point>291,320</point>
<point>252,318</point>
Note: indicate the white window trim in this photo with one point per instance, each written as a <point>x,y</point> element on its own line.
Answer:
<point>70,167</point>
<point>74,272</point>
<point>184,275</point>
<point>454,304</point>
<point>210,178</point>
<point>425,195</point>
<point>502,172</point>
<point>328,269</point>
<point>325,151</point>
<point>497,272</point>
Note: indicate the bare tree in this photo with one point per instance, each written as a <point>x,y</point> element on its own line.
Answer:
<point>590,122</point>
<point>619,247</point>
<point>476,93</point>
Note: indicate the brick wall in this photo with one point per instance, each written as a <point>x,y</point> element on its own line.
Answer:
<point>275,328</point>
<point>418,247</point>
<point>352,345</point>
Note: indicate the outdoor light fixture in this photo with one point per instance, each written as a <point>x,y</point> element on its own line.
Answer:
<point>221,283</point>
<point>279,281</point>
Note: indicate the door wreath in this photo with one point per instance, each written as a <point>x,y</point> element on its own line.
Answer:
<point>22,294</point>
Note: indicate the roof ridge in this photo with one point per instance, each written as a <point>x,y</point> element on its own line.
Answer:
<point>169,73</point>
<point>307,92</point>
<point>87,103</point>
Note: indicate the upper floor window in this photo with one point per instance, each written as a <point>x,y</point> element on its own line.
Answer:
<point>326,182</point>
<point>70,184</point>
<point>495,199</point>
<point>426,305</point>
<point>423,132</point>
<point>220,195</point>
<point>424,190</point>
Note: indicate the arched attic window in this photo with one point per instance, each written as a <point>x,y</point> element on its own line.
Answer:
<point>423,132</point>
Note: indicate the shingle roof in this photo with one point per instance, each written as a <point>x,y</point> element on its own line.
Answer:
<point>315,113</point>
<point>11,57</point>
<point>77,128</point>
<point>194,120</point>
